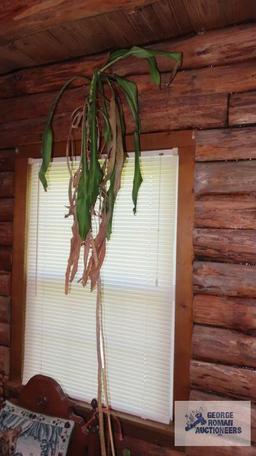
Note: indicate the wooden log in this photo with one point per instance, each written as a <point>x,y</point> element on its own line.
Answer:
<point>230,381</point>
<point>216,178</point>
<point>226,312</point>
<point>242,109</point>
<point>6,209</point>
<point>38,105</point>
<point>5,334</point>
<point>4,310</point>
<point>5,233</point>
<point>33,16</point>
<point>5,259</point>
<point>6,185</point>
<point>225,245</point>
<point>5,283</point>
<point>5,359</point>
<point>197,395</point>
<point>224,279</point>
<point>158,112</point>
<point>224,346</point>
<point>226,144</point>
<point>226,211</point>
<point>218,47</point>
<point>155,105</point>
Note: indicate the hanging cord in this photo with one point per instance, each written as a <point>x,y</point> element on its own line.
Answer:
<point>102,372</point>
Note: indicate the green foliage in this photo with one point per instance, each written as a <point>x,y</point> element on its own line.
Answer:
<point>102,124</point>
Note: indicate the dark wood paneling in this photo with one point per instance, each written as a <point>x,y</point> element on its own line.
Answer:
<point>142,448</point>
<point>7,158</point>
<point>226,211</point>
<point>5,233</point>
<point>221,451</point>
<point>242,109</point>
<point>238,246</point>
<point>235,177</point>
<point>224,279</point>
<point>6,209</point>
<point>5,259</point>
<point>226,144</point>
<point>226,312</point>
<point>4,310</point>
<point>4,359</point>
<point>4,284</point>
<point>230,381</point>
<point>6,184</point>
<point>223,346</point>
<point>4,334</point>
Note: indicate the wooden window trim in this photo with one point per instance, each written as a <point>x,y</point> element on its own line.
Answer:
<point>184,140</point>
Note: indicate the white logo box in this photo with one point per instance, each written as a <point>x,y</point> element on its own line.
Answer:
<point>212,423</point>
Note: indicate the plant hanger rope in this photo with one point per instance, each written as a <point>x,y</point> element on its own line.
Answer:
<point>94,185</point>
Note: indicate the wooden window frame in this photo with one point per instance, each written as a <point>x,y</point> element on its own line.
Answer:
<point>184,141</point>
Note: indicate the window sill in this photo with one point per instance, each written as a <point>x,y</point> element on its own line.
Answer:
<point>132,426</point>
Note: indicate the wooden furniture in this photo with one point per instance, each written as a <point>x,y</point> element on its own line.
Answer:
<point>44,395</point>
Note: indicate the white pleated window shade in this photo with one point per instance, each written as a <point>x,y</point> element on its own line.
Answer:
<point>138,292</point>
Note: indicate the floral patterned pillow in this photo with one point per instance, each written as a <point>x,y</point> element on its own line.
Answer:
<point>31,434</point>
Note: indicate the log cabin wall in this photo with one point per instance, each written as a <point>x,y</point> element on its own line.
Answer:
<point>215,94</point>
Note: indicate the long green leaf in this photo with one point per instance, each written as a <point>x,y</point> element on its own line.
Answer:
<point>83,211</point>
<point>95,172</point>
<point>47,139</point>
<point>129,89</point>
<point>154,72</point>
<point>142,53</point>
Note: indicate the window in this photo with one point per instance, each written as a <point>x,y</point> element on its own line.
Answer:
<point>138,292</point>
<point>132,425</point>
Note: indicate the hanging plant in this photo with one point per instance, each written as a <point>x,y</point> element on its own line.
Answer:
<point>94,185</point>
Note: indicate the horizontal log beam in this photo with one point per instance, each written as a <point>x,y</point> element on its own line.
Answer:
<point>216,178</point>
<point>225,245</point>
<point>158,112</point>
<point>230,381</point>
<point>5,259</point>
<point>4,310</point>
<point>5,284</point>
<point>5,233</point>
<point>226,211</point>
<point>224,346</point>
<point>226,144</point>
<point>233,313</point>
<point>34,16</point>
<point>218,47</point>
<point>6,209</point>
<point>242,109</point>
<point>6,185</point>
<point>224,279</point>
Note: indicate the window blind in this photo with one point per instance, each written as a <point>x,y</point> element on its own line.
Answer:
<point>138,279</point>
